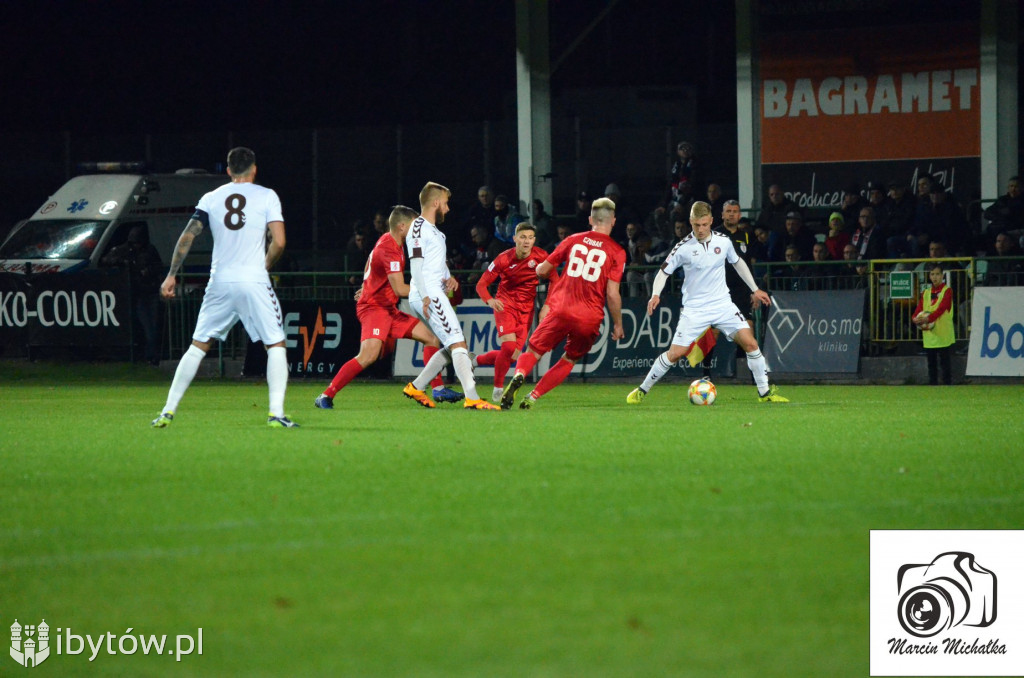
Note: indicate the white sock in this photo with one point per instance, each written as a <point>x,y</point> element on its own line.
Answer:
<point>431,370</point>
<point>183,376</point>
<point>464,371</point>
<point>759,369</point>
<point>277,378</point>
<point>658,370</point>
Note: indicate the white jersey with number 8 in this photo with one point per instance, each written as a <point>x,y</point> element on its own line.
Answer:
<point>238,215</point>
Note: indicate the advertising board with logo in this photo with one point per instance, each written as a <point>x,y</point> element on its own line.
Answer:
<point>321,336</point>
<point>815,331</point>
<point>996,346</point>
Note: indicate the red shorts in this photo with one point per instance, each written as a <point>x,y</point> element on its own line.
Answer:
<point>384,324</point>
<point>514,321</point>
<point>579,335</point>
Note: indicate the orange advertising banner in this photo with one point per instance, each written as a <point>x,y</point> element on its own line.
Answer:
<point>885,93</point>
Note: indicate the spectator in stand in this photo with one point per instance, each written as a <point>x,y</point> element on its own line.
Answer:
<point>795,235</point>
<point>934,317</point>
<point>624,212</point>
<point>683,179</point>
<point>482,252</point>
<point>1005,272</point>
<point>878,197</point>
<point>869,239</point>
<point>1007,212</point>
<point>792,276</point>
<point>717,202</point>
<point>543,224</point>
<point>506,218</point>
<point>582,218</point>
<point>773,214</point>
<point>380,223</point>
<point>838,237</point>
<point>636,245</point>
<point>562,231</point>
<point>482,213</point>
<point>924,188</point>
<point>357,251</point>
<point>900,226</point>
<point>852,203</point>
<point>852,275</point>
<point>759,252</point>
<point>822,274</point>
<point>945,221</point>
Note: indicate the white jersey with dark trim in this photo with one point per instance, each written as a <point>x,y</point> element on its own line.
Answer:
<point>238,216</point>
<point>426,242</point>
<point>703,264</point>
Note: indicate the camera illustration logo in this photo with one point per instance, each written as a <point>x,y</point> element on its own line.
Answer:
<point>950,591</point>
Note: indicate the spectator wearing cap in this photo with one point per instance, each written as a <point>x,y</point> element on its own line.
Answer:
<point>773,215</point>
<point>683,182</point>
<point>878,197</point>
<point>853,201</point>
<point>795,236</point>
<point>838,236</point>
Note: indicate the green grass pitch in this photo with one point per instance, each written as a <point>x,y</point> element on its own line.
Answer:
<point>582,538</point>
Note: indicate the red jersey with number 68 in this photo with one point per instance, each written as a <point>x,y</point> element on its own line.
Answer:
<point>386,258</point>
<point>591,260</point>
<point>518,286</point>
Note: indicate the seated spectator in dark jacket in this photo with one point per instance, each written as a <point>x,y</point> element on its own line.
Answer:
<point>759,252</point>
<point>869,239</point>
<point>853,201</point>
<point>795,235</point>
<point>822,274</point>
<point>1005,272</point>
<point>793,276</point>
<point>900,224</point>
<point>506,218</point>
<point>1007,213</point>
<point>945,221</point>
<point>773,214</point>
<point>480,214</point>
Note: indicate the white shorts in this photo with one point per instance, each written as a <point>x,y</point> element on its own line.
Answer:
<point>442,321</point>
<point>254,303</point>
<point>693,320</point>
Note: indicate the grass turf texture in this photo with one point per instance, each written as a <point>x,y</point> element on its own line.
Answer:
<point>583,538</point>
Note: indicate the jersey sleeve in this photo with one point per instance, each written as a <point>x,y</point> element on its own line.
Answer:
<point>274,207</point>
<point>673,260</point>
<point>487,279</point>
<point>392,259</point>
<point>618,264</point>
<point>730,252</point>
<point>558,256</point>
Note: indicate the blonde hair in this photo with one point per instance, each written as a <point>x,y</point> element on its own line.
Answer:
<point>526,226</point>
<point>699,210</point>
<point>602,209</point>
<point>430,192</point>
<point>401,214</point>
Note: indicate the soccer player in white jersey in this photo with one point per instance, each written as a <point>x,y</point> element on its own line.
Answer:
<point>238,214</point>
<point>428,297</point>
<point>706,302</point>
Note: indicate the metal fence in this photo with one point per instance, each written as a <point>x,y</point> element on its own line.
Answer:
<point>893,289</point>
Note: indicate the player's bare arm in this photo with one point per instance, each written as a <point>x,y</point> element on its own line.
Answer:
<point>277,242</point>
<point>181,249</point>
<point>615,309</point>
<point>398,284</point>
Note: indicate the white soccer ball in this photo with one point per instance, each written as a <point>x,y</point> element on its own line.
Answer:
<point>702,392</point>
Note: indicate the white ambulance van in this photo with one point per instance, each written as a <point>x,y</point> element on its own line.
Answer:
<point>92,213</point>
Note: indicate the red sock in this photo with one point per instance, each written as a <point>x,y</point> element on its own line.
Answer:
<point>428,353</point>
<point>344,375</point>
<point>485,359</point>
<point>552,378</point>
<point>527,361</point>
<point>502,362</point>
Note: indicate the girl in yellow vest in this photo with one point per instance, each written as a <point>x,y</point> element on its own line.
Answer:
<point>934,317</point>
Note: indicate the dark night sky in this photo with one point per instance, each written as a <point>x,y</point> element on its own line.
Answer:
<point>162,66</point>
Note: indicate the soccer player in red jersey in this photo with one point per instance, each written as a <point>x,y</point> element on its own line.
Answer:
<point>594,264</point>
<point>382,323</point>
<point>513,303</point>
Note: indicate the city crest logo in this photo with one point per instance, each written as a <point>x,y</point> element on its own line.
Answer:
<point>30,644</point>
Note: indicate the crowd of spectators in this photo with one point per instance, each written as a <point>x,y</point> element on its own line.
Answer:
<point>789,248</point>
